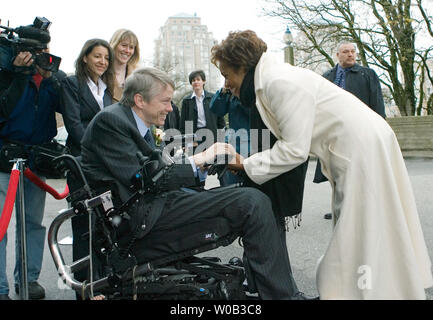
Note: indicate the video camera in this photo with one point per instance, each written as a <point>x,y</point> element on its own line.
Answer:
<point>33,38</point>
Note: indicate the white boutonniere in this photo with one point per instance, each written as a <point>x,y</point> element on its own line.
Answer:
<point>158,136</point>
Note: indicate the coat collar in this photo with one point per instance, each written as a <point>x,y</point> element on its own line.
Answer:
<point>261,73</point>
<point>356,68</point>
<point>206,95</point>
<point>267,60</point>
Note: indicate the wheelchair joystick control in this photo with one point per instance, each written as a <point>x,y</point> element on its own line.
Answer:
<point>141,158</point>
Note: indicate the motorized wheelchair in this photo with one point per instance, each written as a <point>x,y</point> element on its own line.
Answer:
<point>175,272</point>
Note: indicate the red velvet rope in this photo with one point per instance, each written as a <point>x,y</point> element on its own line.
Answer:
<point>11,194</point>
<point>9,202</point>
<point>35,179</point>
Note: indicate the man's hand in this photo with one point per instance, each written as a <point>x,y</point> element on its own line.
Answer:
<point>44,73</point>
<point>23,59</point>
<point>208,156</point>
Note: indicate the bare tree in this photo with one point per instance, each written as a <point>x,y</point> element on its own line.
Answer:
<point>172,64</point>
<point>425,67</point>
<point>385,32</point>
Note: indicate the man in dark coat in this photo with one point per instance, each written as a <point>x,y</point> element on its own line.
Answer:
<point>146,102</point>
<point>195,109</point>
<point>361,81</point>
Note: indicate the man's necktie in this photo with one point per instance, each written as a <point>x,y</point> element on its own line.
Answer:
<point>340,79</point>
<point>149,139</point>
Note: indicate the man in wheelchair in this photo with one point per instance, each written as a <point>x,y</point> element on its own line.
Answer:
<point>159,219</point>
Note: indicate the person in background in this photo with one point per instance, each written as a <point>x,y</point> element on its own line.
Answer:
<point>173,118</point>
<point>83,96</point>
<point>238,134</point>
<point>126,49</point>
<point>361,81</point>
<point>195,109</point>
<point>29,99</point>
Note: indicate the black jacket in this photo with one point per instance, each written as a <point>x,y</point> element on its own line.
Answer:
<point>364,83</point>
<point>173,118</point>
<point>189,113</point>
<point>78,108</point>
<point>27,113</point>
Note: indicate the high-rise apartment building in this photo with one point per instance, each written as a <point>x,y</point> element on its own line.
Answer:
<point>184,45</point>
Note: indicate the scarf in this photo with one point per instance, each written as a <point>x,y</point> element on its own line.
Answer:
<point>247,92</point>
<point>274,188</point>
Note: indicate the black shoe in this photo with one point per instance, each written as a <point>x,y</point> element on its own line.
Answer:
<point>328,216</point>
<point>301,296</point>
<point>4,297</point>
<point>36,291</point>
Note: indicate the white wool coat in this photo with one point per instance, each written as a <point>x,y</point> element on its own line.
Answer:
<point>377,249</point>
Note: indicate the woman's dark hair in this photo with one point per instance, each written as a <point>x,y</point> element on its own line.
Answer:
<point>82,71</point>
<point>240,50</point>
<point>196,73</point>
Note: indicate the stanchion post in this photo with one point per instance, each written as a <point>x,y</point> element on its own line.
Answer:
<point>21,213</point>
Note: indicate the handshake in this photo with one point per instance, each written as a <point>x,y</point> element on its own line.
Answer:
<point>219,154</point>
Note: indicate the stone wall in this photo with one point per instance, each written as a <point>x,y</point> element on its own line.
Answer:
<point>415,135</point>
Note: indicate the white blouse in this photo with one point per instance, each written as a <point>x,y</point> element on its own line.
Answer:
<point>98,91</point>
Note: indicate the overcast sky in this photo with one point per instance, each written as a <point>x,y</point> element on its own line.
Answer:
<point>74,22</point>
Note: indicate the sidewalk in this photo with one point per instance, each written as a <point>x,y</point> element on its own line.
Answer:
<point>305,243</point>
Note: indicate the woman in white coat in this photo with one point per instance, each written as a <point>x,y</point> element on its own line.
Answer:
<point>377,249</point>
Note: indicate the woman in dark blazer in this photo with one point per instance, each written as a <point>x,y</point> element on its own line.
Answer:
<point>83,96</point>
<point>88,91</point>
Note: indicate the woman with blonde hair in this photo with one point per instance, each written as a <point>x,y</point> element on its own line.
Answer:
<point>126,49</point>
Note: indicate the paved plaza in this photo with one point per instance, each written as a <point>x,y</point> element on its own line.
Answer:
<point>306,243</point>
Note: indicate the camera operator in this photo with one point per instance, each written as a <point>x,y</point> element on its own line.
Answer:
<point>29,98</point>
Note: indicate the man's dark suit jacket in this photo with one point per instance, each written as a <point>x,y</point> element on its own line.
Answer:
<point>109,157</point>
<point>78,109</point>
<point>189,113</point>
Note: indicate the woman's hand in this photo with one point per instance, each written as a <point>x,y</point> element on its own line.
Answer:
<point>236,160</point>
